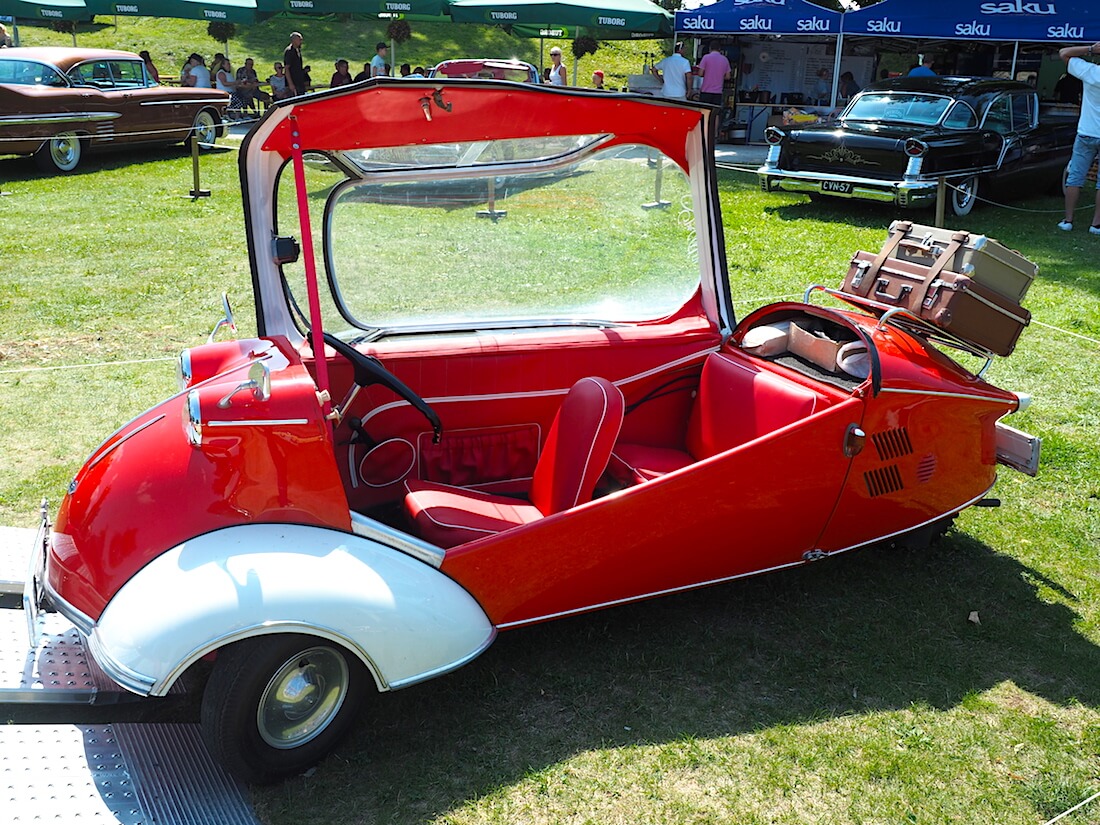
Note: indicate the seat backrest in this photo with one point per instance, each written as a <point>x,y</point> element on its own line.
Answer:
<point>578,445</point>
<point>737,403</point>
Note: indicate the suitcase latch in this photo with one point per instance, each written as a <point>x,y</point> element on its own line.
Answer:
<point>861,271</point>
<point>933,290</point>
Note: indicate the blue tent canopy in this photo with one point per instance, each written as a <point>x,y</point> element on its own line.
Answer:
<point>758,17</point>
<point>1037,21</point>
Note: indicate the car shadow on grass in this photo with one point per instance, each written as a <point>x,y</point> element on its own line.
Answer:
<point>874,631</point>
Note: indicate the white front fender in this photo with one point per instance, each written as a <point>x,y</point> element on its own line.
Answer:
<point>406,621</point>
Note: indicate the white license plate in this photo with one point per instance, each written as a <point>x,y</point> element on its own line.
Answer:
<point>32,590</point>
<point>836,187</point>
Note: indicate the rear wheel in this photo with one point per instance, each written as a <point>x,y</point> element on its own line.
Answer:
<point>276,705</point>
<point>963,196</point>
<point>61,153</point>
<point>204,129</point>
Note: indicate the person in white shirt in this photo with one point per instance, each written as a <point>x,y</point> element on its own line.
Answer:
<point>1086,148</point>
<point>557,69</point>
<point>200,75</point>
<point>673,72</point>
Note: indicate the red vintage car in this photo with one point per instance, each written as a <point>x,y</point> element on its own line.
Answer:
<point>463,415</point>
<point>57,103</point>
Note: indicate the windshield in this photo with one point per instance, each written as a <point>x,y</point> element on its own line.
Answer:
<point>898,107</point>
<point>604,236</point>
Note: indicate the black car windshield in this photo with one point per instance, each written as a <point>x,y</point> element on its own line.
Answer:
<point>898,107</point>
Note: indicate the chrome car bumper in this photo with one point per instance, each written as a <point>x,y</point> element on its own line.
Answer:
<point>904,193</point>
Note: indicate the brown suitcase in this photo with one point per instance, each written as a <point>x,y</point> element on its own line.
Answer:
<point>981,258</point>
<point>953,302</point>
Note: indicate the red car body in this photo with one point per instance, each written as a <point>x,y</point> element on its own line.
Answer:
<point>231,510</point>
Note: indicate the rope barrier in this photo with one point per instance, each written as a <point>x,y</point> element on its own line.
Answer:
<point>1019,208</point>
<point>1078,806</point>
<point>85,366</point>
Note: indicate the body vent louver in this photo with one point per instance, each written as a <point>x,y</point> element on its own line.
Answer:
<point>926,469</point>
<point>891,444</point>
<point>883,480</point>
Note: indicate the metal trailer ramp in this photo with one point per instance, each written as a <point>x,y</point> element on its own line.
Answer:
<point>120,774</point>
<point>123,773</point>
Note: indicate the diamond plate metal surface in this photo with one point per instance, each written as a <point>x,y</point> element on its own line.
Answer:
<point>122,774</point>
<point>66,773</point>
<point>177,780</point>
<point>58,670</point>
<point>15,550</point>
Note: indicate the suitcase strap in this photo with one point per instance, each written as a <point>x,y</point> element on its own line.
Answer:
<point>898,230</point>
<point>933,284</point>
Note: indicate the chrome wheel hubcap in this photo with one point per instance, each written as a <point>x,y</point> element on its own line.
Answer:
<point>302,698</point>
<point>65,150</point>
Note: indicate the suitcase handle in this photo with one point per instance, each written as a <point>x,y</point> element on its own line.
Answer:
<point>929,249</point>
<point>882,293</point>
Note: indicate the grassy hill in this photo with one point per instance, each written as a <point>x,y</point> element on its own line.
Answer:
<point>170,41</point>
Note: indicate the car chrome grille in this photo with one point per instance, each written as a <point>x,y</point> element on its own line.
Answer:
<point>883,480</point>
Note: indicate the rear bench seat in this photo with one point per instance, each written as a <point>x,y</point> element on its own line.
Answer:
<point>736,403</point>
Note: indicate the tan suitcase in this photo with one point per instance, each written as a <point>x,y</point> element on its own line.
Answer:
<point>980,258</point>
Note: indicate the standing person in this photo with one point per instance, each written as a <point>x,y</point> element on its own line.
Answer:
<point>716,70</point>
<point>363,75</point>
<point>925,67</point>
<point>557,69</point>
<point>292,64</point>
<point>1086,148</point>
<point>150,69</point>
<point>848,87</point>
<point>405,70</point>
<point>597,79</point>
<point>823,89</point>
<point>342,75</point>
<point>673,72</point>
<point>5,38</point>
<point>378,62</point>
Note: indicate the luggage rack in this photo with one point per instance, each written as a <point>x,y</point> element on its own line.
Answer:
<point>905,320</point>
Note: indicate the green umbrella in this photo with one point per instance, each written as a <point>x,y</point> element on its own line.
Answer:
<point>366,8</point>
<point>603,20</point>
<point>227,11</point>
<point>46,9</point>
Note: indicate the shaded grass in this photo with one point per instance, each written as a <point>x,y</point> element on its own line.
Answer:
<point>853,691</point>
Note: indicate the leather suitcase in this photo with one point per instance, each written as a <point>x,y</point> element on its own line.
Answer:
<point>982,258</point>
<point>955,303</point>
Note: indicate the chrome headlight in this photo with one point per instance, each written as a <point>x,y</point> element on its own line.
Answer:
<point>183,370</point>
<point>193,419</point>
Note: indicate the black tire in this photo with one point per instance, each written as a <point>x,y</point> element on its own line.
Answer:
<point>61,153</point>
<point>924,537</point>
<point>962,196</point>
<point>205,129</point>
<point>258,736</point>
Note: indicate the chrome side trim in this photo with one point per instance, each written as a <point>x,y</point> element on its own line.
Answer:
<point>120,674</point>
<point>962,395</point>
<point>259,422</point>
<point>368,528</point>
<point>123,440</point>
<point>450,399</point>
<point>455,665</point>
<point>79,620</point>
<point>652,595</point>
<point>945,514</point>
<point>57,117</point>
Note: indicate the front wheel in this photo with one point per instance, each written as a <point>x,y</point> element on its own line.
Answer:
<point>963,196</point>
<point>61,153</point>
<point>276,705</point>
<point>204,130</point>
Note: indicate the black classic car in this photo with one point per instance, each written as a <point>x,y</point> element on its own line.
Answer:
<point>897,137</point>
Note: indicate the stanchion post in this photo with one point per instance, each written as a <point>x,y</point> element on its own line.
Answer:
<point>196,191</point>
<point>941,201</point>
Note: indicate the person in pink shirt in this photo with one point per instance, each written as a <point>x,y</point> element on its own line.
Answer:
<point>716,70</point>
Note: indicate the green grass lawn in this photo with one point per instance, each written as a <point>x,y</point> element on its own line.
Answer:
<point>853,691</point>
<point>170,42</point>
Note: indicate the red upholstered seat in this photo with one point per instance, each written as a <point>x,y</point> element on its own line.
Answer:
<point>736,403</point>
<point>578,446</point>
